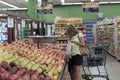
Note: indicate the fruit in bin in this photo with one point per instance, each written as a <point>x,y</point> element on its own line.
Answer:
<point>21,71</point>
<point>34,76</point>
<point>26,76</point>
<point>24,62</point>
<point>29,65</point>
<point>14,77</point>
<point>1,50</point>
<point>1,59</point>
<point>4,64</point>
<point>5,43</point>
<point>42,76</point>
<point>5,76</point>
<point>35,67</point>
<point>39,69</point>
<point>47,77</point>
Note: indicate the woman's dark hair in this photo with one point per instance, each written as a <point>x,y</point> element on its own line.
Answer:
<point>71,31</point>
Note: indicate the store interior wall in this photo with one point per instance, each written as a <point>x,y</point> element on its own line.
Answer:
<point>108,10</point>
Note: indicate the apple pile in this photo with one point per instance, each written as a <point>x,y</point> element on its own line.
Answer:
<point>48,59</point>
<point>12,71</point>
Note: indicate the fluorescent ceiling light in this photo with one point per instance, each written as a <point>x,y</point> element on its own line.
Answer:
<point>62,1</point>
<point>115,2</point>
<point>5,3</point>
<point>13,9</point>
<point>26,0</point>
<point>71,3</point>
<point>92,0</point>
<point>77,3</point>
<point>109,2</point>
<point>103,2</point>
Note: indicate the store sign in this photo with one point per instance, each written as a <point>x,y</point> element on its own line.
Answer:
<point>46,9</point>
<point>90,7</point>
<point>10,22</point>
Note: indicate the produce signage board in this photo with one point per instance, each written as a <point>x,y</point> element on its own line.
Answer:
<point>90,7</point>
<point>46,9</point>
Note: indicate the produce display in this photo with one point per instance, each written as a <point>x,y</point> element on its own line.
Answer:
<point>12,71</point>
<point>49,59</point>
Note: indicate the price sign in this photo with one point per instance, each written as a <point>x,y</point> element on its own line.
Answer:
<point>90,7</point>
<point>45,9</point>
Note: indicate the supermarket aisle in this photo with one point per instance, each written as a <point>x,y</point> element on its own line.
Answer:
<point>113,68</point>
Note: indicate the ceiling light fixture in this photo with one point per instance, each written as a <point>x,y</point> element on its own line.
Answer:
<point>92,0</point>
<point>115,2</point>
<point>26,0</point>
<point>5,3</point>
<point>111,2</point>
<point>62,1</point>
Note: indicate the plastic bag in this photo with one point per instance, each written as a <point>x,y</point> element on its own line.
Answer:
<point>68,49</point>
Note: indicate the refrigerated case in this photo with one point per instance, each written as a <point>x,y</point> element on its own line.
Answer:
<point>50,29</point>
<point>3,31</point>
<point>28,29</point>
<point>21,31</point>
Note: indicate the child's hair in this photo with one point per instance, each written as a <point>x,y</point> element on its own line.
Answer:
<point>71,31</point>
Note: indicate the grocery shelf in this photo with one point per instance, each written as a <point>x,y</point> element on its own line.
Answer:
<point>112,54</point>
<point>62,38</point>
<point>63,45</point>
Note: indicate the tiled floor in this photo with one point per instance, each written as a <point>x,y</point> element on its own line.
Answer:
<point>113,68</point>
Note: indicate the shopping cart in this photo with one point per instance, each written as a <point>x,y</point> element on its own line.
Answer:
<point>97,60</point>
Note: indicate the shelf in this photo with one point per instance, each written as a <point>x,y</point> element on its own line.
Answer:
<point>64,45</point>
<point>71,23</point>
<point>111,54</point>
<point>62,38</point>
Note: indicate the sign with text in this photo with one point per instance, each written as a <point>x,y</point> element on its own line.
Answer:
<point>45,9</point>
<point>90,7</point>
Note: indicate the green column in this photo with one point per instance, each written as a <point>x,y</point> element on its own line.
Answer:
<point>32,8</point>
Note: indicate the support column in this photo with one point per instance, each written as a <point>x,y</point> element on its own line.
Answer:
<point>32,8</point>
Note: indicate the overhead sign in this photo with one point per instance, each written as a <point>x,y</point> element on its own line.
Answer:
<point>90,7</point>
<point>45,9</point>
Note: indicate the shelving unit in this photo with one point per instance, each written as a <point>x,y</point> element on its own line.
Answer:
<point>60,27</point>
<point>3,30</point>
<point>20,30</point>
<point>27,28</point>
<point>89,31</point>
<point>117,40</point>
<point>106,34</point>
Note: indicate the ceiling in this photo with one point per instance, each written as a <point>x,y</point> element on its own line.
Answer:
<point>22,4</point>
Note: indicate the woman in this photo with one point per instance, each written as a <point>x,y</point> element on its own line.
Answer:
<point>75,62</point>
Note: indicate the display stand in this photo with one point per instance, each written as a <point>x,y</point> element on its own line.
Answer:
<point>108,33</point>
